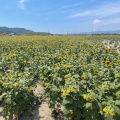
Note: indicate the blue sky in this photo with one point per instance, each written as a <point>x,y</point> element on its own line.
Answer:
<point>61,16</point>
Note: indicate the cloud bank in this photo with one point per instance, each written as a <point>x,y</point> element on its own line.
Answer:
<point>101,11</point>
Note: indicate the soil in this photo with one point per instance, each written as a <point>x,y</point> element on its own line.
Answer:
<point>42,112</point>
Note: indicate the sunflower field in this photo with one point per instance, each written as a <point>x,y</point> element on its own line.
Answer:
<point>78,73</point>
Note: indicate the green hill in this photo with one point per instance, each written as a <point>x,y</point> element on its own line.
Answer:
<point>21,31</point>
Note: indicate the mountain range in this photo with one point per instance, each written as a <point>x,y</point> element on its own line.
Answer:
<point>20,31</point>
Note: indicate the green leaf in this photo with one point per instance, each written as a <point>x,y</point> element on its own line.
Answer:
<point>88,105</point>
<point>1,96</point>
<point>66,111</point>
<point>76,76</point>
<point>8,101</point>
<point>117,109</point>
<point>67,100</point>
<point>78,104</point>
<point>117,102</point>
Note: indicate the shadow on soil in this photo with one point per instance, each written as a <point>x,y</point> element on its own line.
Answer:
<point>36,115</point>
<point>0,108</point>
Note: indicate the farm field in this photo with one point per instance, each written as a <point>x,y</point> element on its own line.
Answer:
<point>80,74</point>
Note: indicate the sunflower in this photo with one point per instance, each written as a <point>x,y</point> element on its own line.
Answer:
<point>96,72</point>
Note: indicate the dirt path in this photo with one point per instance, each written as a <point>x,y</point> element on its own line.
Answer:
<point>42,112</point>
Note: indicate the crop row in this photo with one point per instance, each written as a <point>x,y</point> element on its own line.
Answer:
<point>78,73</point>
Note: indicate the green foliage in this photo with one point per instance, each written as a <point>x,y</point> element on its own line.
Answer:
<point>77,73</point>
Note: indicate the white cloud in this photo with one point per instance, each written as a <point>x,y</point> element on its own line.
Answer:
<point>22,4</point>
<point>101,11</point>
<point>97,22</point>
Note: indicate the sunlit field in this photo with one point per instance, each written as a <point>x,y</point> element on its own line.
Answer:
<point>79,73</point>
